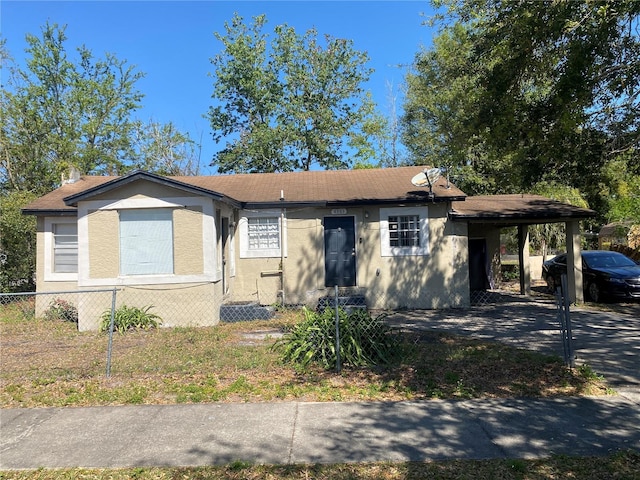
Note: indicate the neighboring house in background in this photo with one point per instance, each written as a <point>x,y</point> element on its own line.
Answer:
<point>261,238</point>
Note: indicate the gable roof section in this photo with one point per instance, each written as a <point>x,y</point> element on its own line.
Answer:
<point>516,209</point>
<point>263,190</point>
<point>134,177</point>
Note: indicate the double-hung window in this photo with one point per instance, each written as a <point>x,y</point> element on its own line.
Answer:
<point>146,242</point>
<point>404,231</point>
<point>65,247</point>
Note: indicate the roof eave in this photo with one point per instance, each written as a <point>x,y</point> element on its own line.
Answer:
<point>517,218</point>
<point>50,212</point>
<point>393,201</point>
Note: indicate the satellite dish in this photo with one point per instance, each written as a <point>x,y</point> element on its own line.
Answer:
<point>427,178</point>
<point>420,180</point>
<point>433,174</point>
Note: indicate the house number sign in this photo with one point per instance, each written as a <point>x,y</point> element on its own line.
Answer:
<point>338,211</point>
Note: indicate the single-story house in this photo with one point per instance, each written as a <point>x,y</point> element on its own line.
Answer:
<point>187,245</point>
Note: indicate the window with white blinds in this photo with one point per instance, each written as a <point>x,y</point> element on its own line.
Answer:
<point>65,247</point>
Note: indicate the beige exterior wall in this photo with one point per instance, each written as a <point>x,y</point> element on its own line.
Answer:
<point>437,280</point>
<point>44,301</point>
<point>178,305</point>
<point>190,297</point>
<point>104,246</point>
<point>187,241</point>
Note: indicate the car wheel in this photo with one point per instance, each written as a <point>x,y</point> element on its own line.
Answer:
<point>551,284</point>
<point>594,292</point>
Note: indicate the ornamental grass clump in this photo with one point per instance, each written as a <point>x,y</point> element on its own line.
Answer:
<point>130,318</point>
<point>364,340</point>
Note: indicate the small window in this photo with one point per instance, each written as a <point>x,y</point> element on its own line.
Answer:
<point>263,233</point>
<point>404,230</point>
<point>65,247</point>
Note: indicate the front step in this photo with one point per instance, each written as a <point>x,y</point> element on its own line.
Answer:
<point>348,303</point>
<point>243,312</point>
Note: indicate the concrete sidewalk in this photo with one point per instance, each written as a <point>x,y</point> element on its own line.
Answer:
<point>285,433</point>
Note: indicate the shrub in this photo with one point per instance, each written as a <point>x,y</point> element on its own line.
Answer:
<point>364,341</point>
<point>130,318</point>
<point>61,309</point>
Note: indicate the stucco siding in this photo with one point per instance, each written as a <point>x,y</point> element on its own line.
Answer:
<point>103,244</point>
<point>436,280</point>
<point>187,241</point>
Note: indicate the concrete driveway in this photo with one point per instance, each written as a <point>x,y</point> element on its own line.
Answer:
<point>606,339</point>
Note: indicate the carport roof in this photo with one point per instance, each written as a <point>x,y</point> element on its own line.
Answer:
<point>516,209</point>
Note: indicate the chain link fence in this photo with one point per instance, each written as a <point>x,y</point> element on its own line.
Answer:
<point>205,304</point>
<point>96,312</point>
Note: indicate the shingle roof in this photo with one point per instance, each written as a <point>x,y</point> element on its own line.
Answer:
<point>330,186</point>
<point>516,209</point>
<point>326,187</point>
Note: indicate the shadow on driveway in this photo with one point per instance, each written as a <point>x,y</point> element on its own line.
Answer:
<point>608,341</point>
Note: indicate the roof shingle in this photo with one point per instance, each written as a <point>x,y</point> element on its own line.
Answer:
<point>316,187</point>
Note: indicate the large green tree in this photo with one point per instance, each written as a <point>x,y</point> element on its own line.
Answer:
<point>60,112</point>
<point>289,102</point>
<point>63,111</point>
<point>66,110</point>
<point>514,93</point>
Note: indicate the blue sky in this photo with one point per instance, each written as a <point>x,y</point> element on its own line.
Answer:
<point>172,42</point>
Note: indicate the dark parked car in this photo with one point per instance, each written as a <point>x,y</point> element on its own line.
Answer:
<point>606,275</point>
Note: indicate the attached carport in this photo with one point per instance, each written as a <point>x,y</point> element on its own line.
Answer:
<point>487,214</point>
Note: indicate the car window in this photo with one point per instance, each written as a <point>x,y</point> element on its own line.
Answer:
<point>609,261</point>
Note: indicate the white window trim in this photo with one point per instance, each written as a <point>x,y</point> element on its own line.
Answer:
<point>49,274</point>
<point>386,250</point>
<point>232,247</point>
<point>211,270</point>
<point>245,252</point>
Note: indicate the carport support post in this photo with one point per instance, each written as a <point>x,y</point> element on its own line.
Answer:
<point>574,259</point>
<point>523,258</point>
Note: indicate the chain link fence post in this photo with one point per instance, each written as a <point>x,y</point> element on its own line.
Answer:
<point>111,328</point>
<point>337,307</point>
<point>564,318</point>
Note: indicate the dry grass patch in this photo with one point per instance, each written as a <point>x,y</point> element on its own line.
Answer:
<point>50,363</point>
<point>620,465</point>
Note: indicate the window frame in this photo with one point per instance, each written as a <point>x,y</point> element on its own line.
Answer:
<point>50,274</point>
<point>386,250</point>
<point>246,251</point>
<point>212,272</point>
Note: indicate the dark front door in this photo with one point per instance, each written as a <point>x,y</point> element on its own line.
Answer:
<point>339,252</point>
<point>478,264</point>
